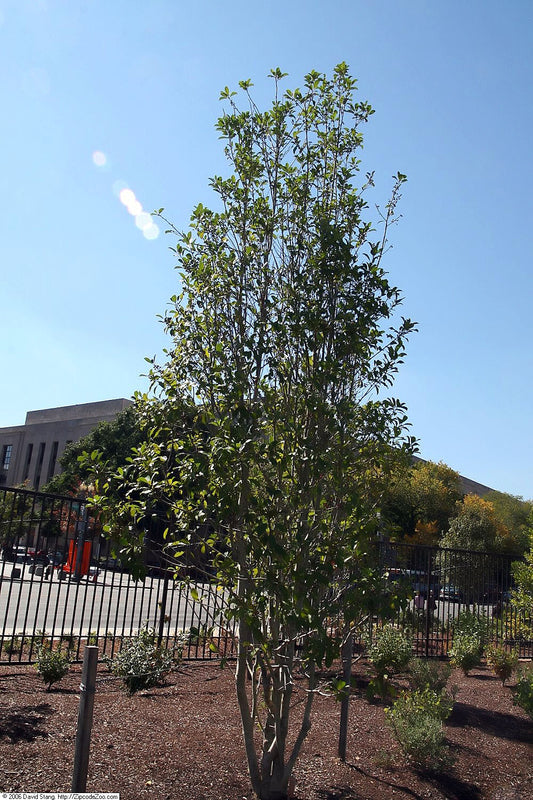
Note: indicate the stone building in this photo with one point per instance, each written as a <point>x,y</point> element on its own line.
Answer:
<point>29,453</point>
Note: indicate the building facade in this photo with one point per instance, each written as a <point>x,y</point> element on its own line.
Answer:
<point>30,453</point>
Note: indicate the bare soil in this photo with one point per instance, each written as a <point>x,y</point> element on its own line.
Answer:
<point>182,741</point>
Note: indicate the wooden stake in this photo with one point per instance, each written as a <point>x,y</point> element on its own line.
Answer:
<point>85,719</point>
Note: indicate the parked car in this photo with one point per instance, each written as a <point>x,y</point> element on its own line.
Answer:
<point>39,559</point>
<point>49,561</point>
<point>450,593</point>
<point>8,553</point>
<point>19,554</point>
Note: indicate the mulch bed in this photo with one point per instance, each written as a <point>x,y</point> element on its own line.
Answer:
<point>182,741</point>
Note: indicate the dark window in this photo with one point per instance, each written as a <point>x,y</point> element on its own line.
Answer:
<point>6,455</point>
<point>29,451</point>
<point>52,462</point>
<point>39,465</point>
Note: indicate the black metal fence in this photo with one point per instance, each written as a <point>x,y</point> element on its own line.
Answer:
<point>58,583</point>
<point>439,584</point>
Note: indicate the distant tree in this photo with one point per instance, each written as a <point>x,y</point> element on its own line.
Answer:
<point>113,441</point>
<point>476,530</point>
<point>285,332</point>
<point>515,514</point>
<point>475,526</point>
<point>16,509</point>
<point>420,501</point>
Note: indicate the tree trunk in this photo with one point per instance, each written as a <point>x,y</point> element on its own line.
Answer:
<point>244,707</point>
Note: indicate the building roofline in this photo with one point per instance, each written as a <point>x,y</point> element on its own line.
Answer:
<point>81,410</point>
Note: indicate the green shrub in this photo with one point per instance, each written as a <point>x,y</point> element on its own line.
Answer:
<point>427,673</point>
<point>416,720</point>
<point>472,625</point>
<point>140,663</point>
<point>523,691</point>
<point>389,651</point>
<point>470,633</point>
<point>12,645</point>
<point>466,652</point>
<point>52,665</point>
<point>424,701</point>
<point>503,662</point>
<point>41,638</point>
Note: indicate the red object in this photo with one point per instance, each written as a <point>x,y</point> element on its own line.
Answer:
<point>70,566</point>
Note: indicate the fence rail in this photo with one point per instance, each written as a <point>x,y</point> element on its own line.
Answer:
<point>58,583</point>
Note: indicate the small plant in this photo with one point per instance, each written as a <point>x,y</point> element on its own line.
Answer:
<point>424,701</point>
<point>52,665</point>
<point>389,651</point>
<point>422,740</point>
<point>41,638</point>
<point>523,691</point>
<point>417,720</point>
<point>140,663</point>
<point>473,625</point>
<point>92,639</point>
<point>502,662</point>
<point>466,652</point>
<point>425,673</point>
<point>12,645</point>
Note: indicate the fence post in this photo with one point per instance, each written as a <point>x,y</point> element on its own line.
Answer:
<point>85,719</point>
<point>346,655</point>
<point>429,599</point>
<point>163,611</point>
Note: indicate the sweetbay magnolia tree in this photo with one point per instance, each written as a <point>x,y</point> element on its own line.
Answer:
<point>267,429</point>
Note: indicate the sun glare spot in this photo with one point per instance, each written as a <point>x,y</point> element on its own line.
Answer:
<point>143,220</point>
<point>135,208</point>
<point>99,158</point>
<point>127,197</point>
<point>151,232</point>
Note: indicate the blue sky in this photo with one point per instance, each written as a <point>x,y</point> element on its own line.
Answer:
<point>104,95</point>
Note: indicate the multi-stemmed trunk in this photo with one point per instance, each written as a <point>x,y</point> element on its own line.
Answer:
<point>271,769</point>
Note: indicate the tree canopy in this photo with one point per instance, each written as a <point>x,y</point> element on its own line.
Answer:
<point>269,424</point>
<point>114,441</point>
<point>515,514</point>
<point>420,501</point>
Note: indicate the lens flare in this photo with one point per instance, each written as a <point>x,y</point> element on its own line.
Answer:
<point>135,208</point>
<point>151,232</point>
<point>127,197</point>
<point>143,220</point>
<point>99,158</point>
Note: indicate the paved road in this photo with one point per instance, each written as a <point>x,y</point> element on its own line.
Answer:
<point>113,603</point>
